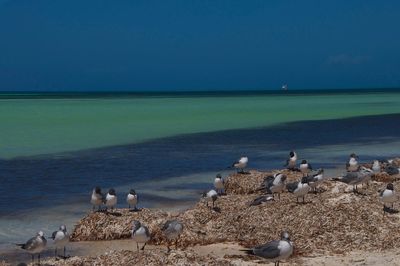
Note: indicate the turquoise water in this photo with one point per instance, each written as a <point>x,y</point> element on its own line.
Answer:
<point>33,126</point>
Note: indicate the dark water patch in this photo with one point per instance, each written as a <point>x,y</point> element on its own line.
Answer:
<point>48,180</point>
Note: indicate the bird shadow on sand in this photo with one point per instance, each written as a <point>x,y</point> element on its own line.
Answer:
<point>390,210</point>
<point>117,214</point>
<point>135,210</point>
<point>216,209</point>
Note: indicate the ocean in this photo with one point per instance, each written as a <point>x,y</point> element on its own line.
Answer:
<point>54,148</point>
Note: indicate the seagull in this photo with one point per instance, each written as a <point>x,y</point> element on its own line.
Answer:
<point>275,250</point>
<point>61,238</point>
<point>352,165</point>
<point>388,195</point>
<point>111,199</point>
<point>219,184</point>
<point>172,230</point>
<point>274,184</point>
<point>392,170</point>
<point>376,167</point>
<point>132,199</point>
<point>241,164</point>
<point>35,245</point>
<point>212,194</point>
<point>140,234</point>
<point>97,198</point>
<point>315,179</point>
<point>356,178</point>
<point>305,167</point>
<point>291,161</point>
<point>259,200</point>
<point>299,189</point>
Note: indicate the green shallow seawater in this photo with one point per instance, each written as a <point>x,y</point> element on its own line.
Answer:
<point>32,126</point>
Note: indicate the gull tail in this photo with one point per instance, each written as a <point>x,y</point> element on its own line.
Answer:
<point>20,245</point>
<point>247,251</point>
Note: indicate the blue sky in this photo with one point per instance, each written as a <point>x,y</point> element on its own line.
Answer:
<point>194,45</point>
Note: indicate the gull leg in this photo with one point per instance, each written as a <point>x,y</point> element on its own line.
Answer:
<point>64,253</point>
<point>304,199</point>
<point>39,258</point>
<point>55,252</point>
<point>137,245</point>
<point>33,259</point>
<point>143,246</point>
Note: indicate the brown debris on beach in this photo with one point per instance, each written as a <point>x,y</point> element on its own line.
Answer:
<point>335,221</point>
<point>146,257</point>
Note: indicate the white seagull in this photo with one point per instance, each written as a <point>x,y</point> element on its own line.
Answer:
<point>299,189</point>
<point>274,251</point>
<point>315,179</point>
<point>352,165</point>
<point>274,184</point>
<point>388,196</point>
<point>111,199</point>
<point>132,199</point>
<point>376,167</point>
<point>140,234</point>
<point>210,195</point>
<point>241,164</point>
<point>219,184</point>
<point>356,178</point>
<point>172,229</point>
<point>35,245</point>
<point>305,167</point>
<point>97,198</point>
<point>61,239</point>
<point>291,161</point>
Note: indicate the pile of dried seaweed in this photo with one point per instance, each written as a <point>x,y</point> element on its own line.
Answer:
<point>335,221</point>
<point>146,257</point>
<point>117,224</point>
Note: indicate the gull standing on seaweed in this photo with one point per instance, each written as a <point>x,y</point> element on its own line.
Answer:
<point>210,195</point>
<point>97,198</point>
<point>355,178</point>
<point>274,251</point>
<point>111,199</point>
<point>241,164</point>
<point>140,234</point>
<point>219,184</point>
<point>291,161</point>
<point>388,196</point>
<point>352,165</point>
<point>61,239</point>
<point>315,179</point>
<point>299,189</point>
<point>305,167</point>
<point>172,229</point>
<point>259,200</point>
<point>391,169</point>
<point>376,167</point>
<point>132,199</point>
<point>35,245</point>
<point>274,184</point>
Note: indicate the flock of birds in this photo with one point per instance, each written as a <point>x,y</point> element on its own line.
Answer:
<point>273,251</point>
